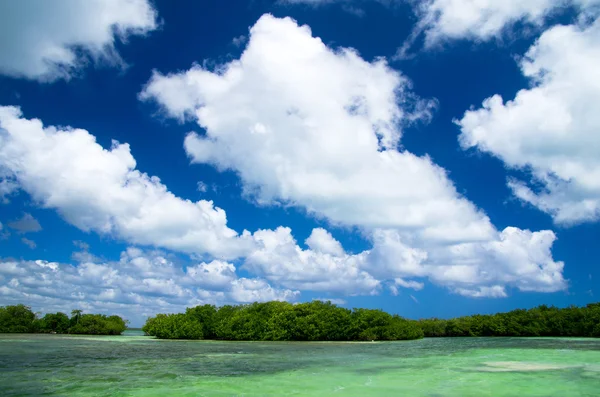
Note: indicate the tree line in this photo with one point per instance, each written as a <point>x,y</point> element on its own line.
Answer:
<point>324,321</point>
<point>539,321</point>
<point>21,319</point>
<point>282,321</point>
<point>312,321</point>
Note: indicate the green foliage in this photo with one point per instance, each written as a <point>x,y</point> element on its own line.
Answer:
<point>98,324</point>
<point>53,323</point>
<point>282,321</point>
<point>323,321</point>
<point>173,326</point>
<point>539,321</point>
<point>20,318</point>
<point>17,318</point>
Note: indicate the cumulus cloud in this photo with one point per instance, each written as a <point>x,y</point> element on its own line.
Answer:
<point>485,19</point>
<point>325,137</point>
<point>45,40</point>
<point>519,259</point>
<point>321,241</point>
<point>278,258</point>
<point>551,129</point>
<point>26,224</point>
<point>140,284</point>
<point>98,189</point>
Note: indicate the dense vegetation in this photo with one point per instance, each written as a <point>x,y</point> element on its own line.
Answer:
<point>539,321</point>
<point>282,321</point>
<point>20,318</point>
<point>319,321</point>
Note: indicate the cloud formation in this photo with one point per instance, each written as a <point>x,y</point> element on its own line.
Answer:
<point>45,41</point>
<point>325,137</point>
<point>551,129</point>
<point>101,190</point>
<point>140,284</point>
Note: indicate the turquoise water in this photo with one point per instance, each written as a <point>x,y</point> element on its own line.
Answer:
<point>134,365</point>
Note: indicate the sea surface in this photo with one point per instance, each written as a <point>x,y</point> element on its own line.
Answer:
<point>135,365</point>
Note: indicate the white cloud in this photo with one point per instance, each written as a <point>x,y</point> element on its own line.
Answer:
<point>279,259</point>
<point>202,187</point>
<point>550,129</point>
<point>334,301</point>
<point>520,258</point>
<point>98,189</point>
<point>408,284</point>
<point>495,291</point>
<point>485,19</point>
<point>215,275</point>
<point>324,136</point>
<point>138,285</point>
<point>42,40</point>
<point>256,290</point>
<point>321,241</point>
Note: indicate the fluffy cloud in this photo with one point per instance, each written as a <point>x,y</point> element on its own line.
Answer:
<point>519,259</point>
<point>257,290</point>
<point>98,189</point>
<point>43,40</point>
<point>485,19</point>
<point>138,285</point>
<point>550,129</point>
<point>279,259</point>
<point>324,136</point>
<point>321,241</point>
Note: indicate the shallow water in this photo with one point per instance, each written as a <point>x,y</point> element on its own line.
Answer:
<point>134,365</point>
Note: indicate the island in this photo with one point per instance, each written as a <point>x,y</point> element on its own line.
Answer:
<point>311,321</point>
<point>324,321</point>
<point>21,319</point>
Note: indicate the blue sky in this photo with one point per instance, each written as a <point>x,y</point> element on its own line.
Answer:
<point>428,158</point>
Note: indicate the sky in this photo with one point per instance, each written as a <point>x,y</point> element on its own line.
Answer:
<point>429,158</point>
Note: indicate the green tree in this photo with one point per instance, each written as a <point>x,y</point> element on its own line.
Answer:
<point>16,318</point>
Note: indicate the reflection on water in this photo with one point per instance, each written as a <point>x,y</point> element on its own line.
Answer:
<point>135,365</point>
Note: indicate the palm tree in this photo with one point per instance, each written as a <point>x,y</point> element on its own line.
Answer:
<point>76,314</point>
